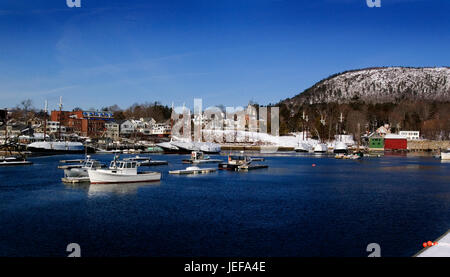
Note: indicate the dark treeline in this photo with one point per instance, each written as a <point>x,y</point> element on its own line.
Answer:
<point>153,110</point>
<point>160,113</point>
<point>429,117</point>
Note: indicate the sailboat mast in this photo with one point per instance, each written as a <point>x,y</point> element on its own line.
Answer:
<point>45,120</point>
<point>60,115</point>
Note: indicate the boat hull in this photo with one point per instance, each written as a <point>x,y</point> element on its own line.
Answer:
<point>445,156</point>
<point>106,177</point>
<point>340,151</point>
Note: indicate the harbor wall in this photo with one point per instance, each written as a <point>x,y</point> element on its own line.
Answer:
<point>427,145</point>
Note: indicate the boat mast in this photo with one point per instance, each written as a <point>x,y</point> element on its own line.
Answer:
<point>60,115</point>
<point>303,125</point>
<point>171,122</point>
<point>45,120</point>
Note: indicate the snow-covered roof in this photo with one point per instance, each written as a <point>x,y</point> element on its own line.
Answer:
<point>394,136</point>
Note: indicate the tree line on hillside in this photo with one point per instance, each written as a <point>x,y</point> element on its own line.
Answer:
<point>431,118</point>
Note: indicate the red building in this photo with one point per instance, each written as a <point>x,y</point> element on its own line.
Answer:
<point>395,142</point>
<point>83,123</point>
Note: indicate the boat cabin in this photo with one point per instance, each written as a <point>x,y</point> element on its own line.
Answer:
<point>239,160</point>
<point>197,155</point>
<point>124,166</point>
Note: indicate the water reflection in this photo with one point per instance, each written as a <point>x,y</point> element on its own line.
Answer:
<point>95,190</point>
<point>119,189</point>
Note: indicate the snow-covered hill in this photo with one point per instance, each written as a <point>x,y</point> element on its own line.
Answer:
<point>379,85</point>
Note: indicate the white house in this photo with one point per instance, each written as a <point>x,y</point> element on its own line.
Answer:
<point>53,127</point>
<point>410,135</point>
<point>127,127</point>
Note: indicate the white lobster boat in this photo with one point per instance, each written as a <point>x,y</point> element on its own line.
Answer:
<point>320,148</point>
<point>445,155</point>
<point>121,172</point>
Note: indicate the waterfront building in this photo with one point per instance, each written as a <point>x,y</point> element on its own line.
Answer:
<point>376,142</point>
<point>128,127</point>
<point>83,123</point>
<point>395,142</point>
<point>384,130</point>
<point>410,135</point>
<point>112,130</point>
<point>53,127</point>
<point>161,129</point>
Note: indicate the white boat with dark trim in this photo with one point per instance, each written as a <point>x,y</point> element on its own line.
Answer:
<point>185,147</point>
<point>445,155</point>
<point>193,170</point>
<point>14,160</point>
<point>72,172</point>
<point>303,147</point>
<point>121,172</point>
<point>197,157</point>
<point>57,147</point>
<point>340,148</point>
<point>320,148</point>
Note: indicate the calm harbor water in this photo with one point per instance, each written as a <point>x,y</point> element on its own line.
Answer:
<point>336,208</point>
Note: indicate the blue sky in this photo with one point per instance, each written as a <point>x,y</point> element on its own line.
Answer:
<point>223,51</point>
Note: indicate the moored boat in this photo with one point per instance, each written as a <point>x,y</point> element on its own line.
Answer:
<point>198,157</point>
<point>82,171</point>
<point>58,147</point>
<point>445,155</point>
<point>320,148</point>
<point>122,172</point>
<point>193,170</point>
<point>303,147</point>
<point>14,160</point>
<point>340,148</point>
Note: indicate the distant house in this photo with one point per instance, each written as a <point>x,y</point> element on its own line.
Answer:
<point>112,130</point>
<point>376,142</point>
<point>53,127</point>
<point>161,129</point>
<point>410,135</point>
<point>127,127</point>
<point>384,130</point>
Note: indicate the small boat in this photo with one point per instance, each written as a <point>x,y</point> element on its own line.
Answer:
<point>82,171</point>
<point>58,147</point>
<point>146,161</point>
<point>320,148</point>
<point>14,160</point>
<point>445,155</point>
<point>193,170</point>
<point>237,163</point>
<point>121,172</point>
<point>340,147</point>
<point>198,157</point>
<point>303,148</point>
